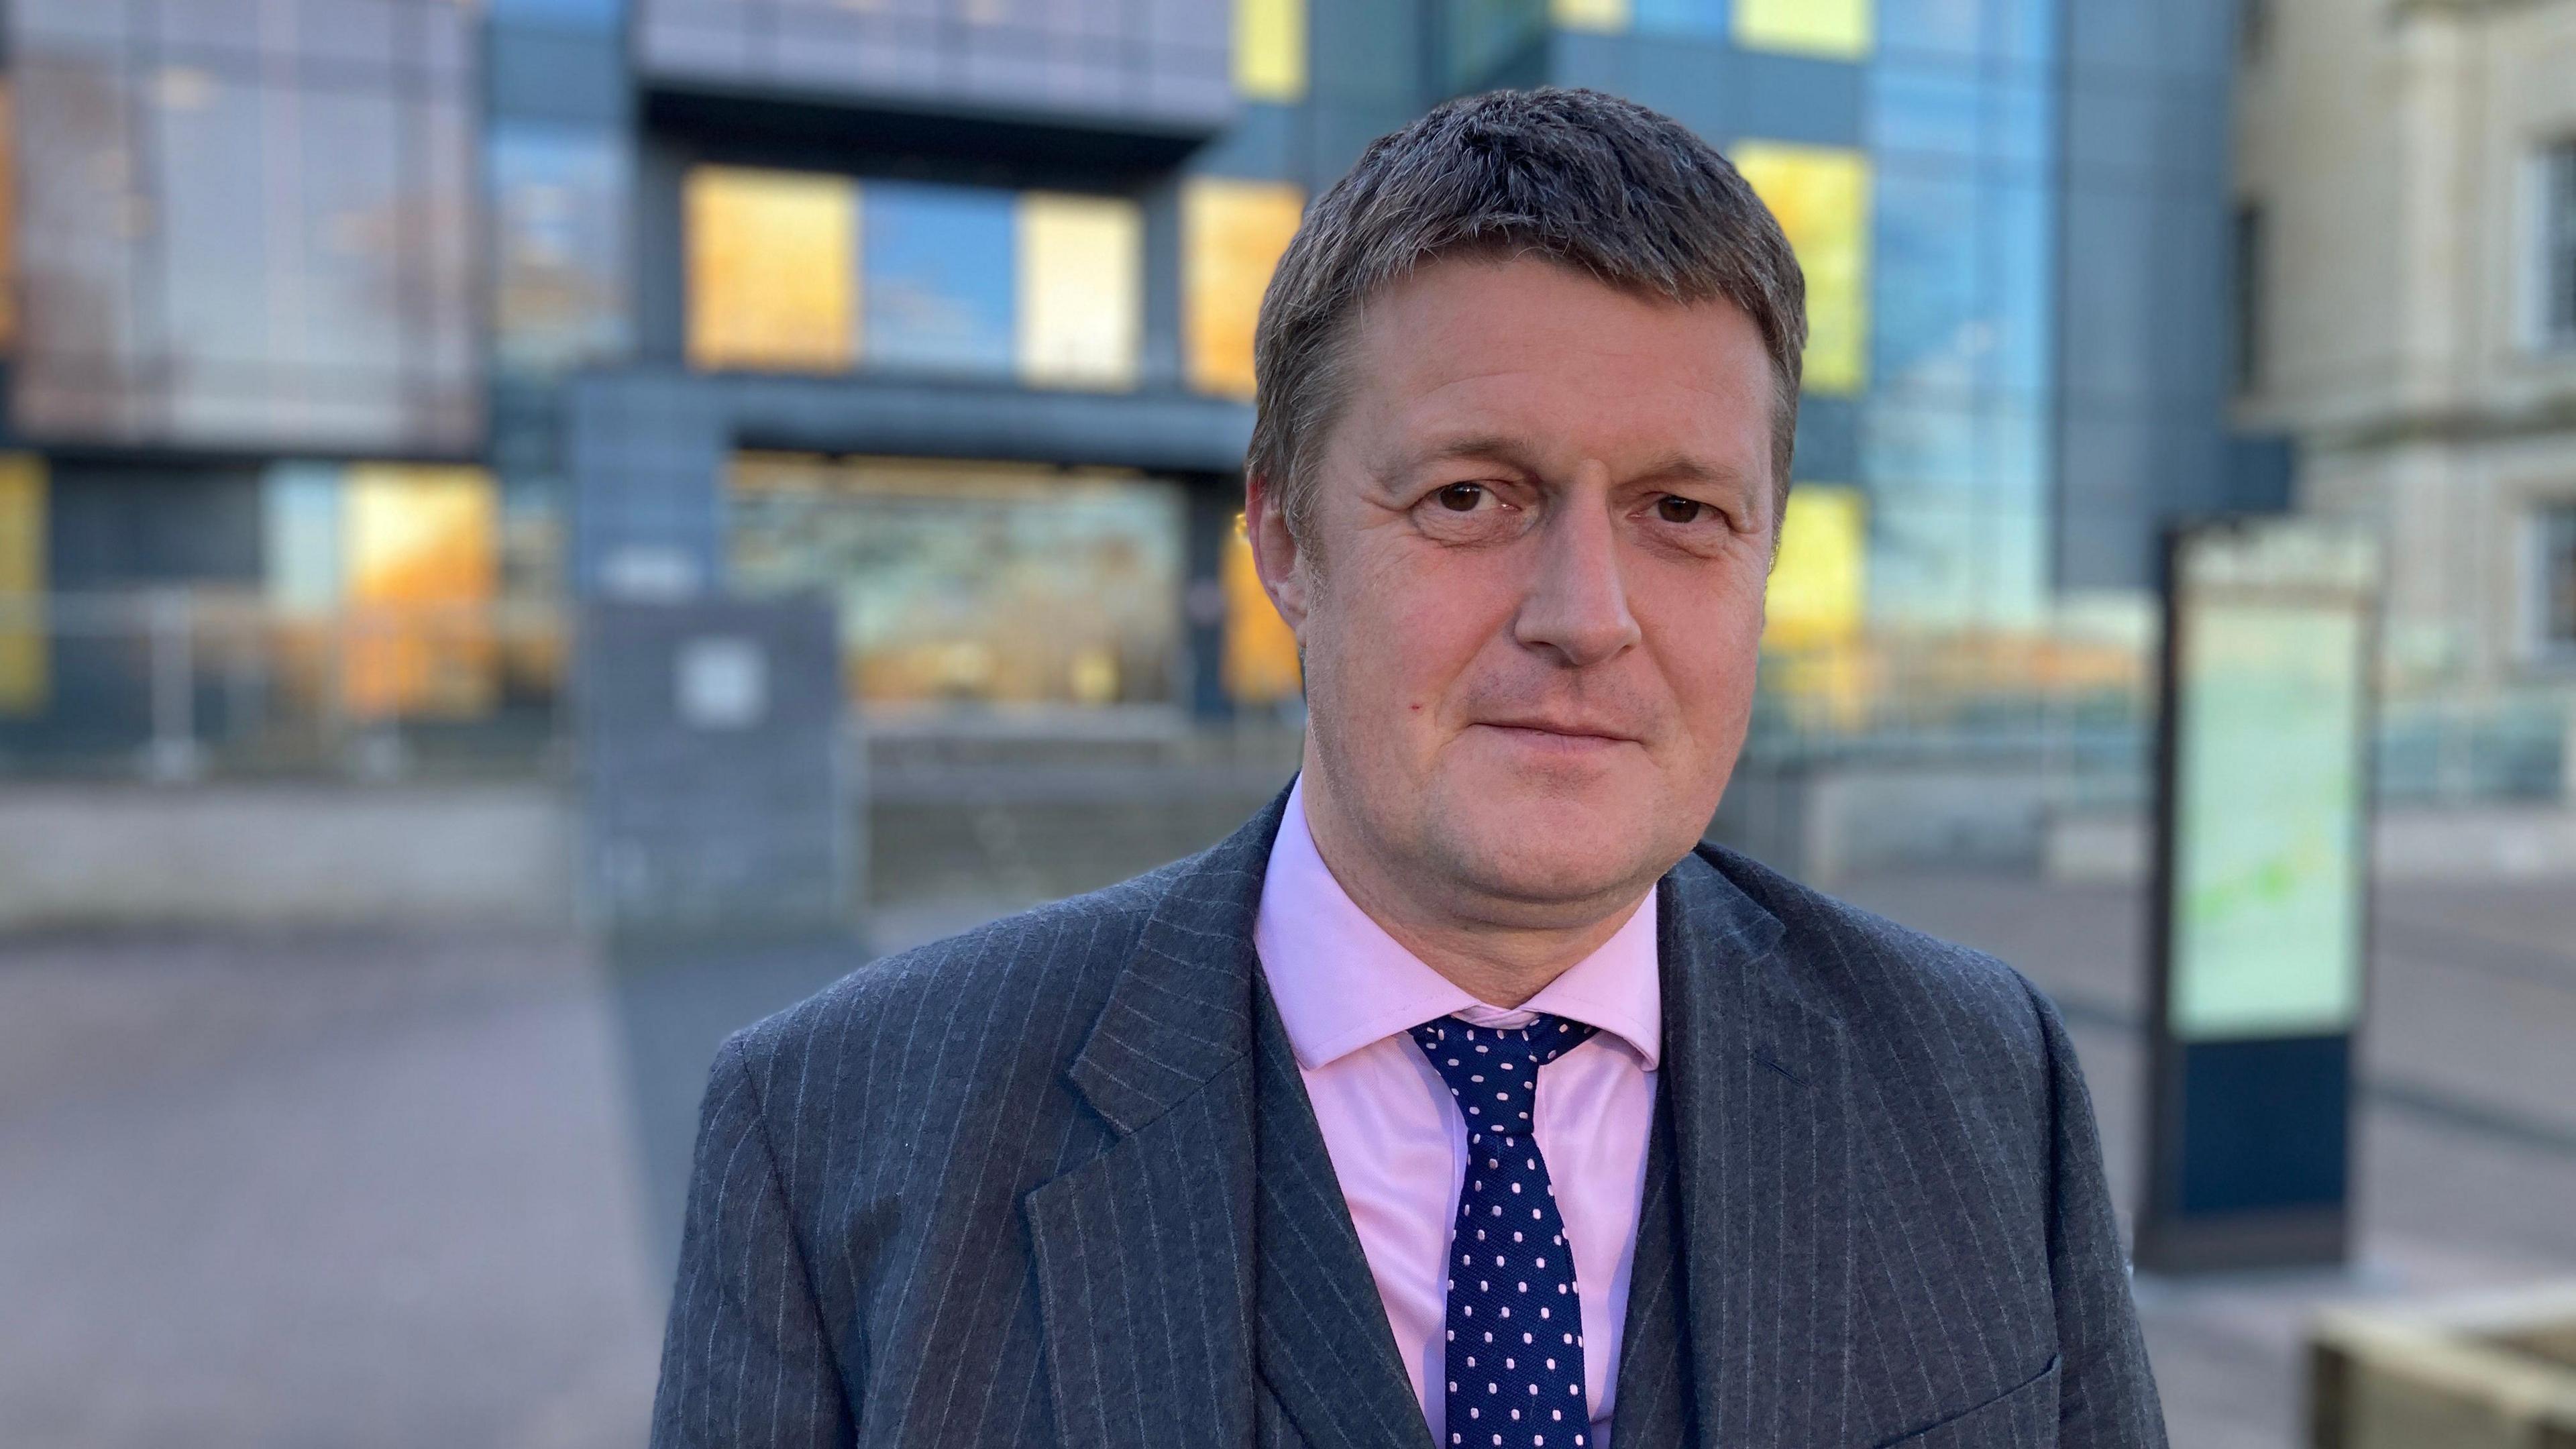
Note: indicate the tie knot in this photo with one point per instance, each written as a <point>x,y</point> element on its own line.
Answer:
<point>1493,1070</point>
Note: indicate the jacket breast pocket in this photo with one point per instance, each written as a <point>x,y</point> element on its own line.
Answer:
<point>2022,1417</point>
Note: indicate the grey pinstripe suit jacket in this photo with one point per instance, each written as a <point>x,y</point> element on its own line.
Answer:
<point>1055,1182</point>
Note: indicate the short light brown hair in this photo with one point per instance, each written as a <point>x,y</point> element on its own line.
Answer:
<point>1586,180</point>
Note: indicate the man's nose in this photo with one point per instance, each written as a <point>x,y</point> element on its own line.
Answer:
<point>1577,605</point>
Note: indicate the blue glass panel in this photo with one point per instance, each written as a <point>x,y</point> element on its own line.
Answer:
<point>937,278</point>
<point>595,14</point>
<point>559,259</point>
<point>2019,122</point>
<point>1929,109</point>
<point>1924,288</point>
<point>2023,30</point>
<point>1682,17</point>
<point>2025,287</point>
<point>1949,28</point>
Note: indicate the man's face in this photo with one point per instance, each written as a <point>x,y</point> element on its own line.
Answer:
<point>1530,595</point>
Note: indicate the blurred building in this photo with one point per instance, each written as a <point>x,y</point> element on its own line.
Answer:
<point>410,319</point>
<point>2406,255</point>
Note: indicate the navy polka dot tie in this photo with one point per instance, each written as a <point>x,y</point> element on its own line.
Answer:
<point>1515,1319</point>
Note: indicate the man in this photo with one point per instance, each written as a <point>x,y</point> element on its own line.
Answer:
<point>1462,1098</point>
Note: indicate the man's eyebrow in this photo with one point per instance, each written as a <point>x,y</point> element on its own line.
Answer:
<point>1501,447</point>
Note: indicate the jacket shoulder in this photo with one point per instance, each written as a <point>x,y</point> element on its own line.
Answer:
<point>1006,1003</point>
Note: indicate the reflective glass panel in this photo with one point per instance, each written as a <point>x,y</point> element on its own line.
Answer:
<point>1924,109</point>
<point>1681,17</point>
<point>419,575</point>
<point>1081,262</point>
<point>1821,196</point>
<point>1260,664</point>
<point>1818,589</point>
<point>1837,29</point>
<point>559,270</point>
<point>1931,335</point>
<point>966,582</point>
<point>938,278</point>
<point>1270,50</point>
<point>772,269</point>
<point>24,659</point>
<point>1232,233</point>
<point>1609,16</point>
<point>1952,29</point>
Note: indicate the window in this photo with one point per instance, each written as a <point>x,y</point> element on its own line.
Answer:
<point>1608,16</point>
<point>936,278</point>
<point>1835,29</point>
<point>771,269</point>
<point>801,272</point>
<point>23,655</point>
<point>2245,361</point>
<point>559,279</point>
<point>2553,578</point>
<point>1232,233</point>
<point>1818,585</point>
<point>1081,289</point>
<point>973,582</point>
<point>1260,664</point>
<point>2557,245</point>
<point>1682,17</point>
<point>1270,50</point>
<point>1821,196</point>
<point>247,232</point>
<point>1478,37</point>
<point>418,572</point>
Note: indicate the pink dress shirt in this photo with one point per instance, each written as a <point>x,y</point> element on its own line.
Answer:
<point>1347,993</point>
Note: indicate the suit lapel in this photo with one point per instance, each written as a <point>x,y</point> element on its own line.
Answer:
<point>1144,1254</point>
<point>1325,1349</point>
<point>1758,1074</point>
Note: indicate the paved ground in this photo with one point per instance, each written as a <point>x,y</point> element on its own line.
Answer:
<point>380,1190</point>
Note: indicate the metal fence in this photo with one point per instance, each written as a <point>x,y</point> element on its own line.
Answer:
<point>183,684</point>
<point>187,684</point>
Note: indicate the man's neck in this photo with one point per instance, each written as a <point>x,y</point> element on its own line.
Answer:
<point>1502,953</point>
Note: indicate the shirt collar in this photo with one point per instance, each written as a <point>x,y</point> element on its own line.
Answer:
<point>1341,982</point>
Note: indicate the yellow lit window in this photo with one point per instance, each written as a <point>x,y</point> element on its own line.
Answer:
<point>1260,664</point>
<point>1817,588</point>
<point>1836,29</point>
<point>1609,16</point>
<point>23,669</point>
<point>1821,195</point>
<point>1270,50</point>
<point>421,544</point>
<point>773,278</point>
<point>1232,233</point>
<point>1080,290</point>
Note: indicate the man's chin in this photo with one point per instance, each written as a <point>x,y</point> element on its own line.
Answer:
<point>1545,857</point>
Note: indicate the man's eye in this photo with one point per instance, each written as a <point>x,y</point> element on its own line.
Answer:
<point>1679,510</point>
<point>1462,497</point>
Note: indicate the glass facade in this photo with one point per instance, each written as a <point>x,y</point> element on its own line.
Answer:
<point>2553,574</point>
<point>1270,50</point>
<point>1232,233</point>
<point>973,583</point>
<point>808,272</point>
<point>247,226</point>
<point>1821,196</point>
<point>383,576</point>
<point>772,275</point>
<point>1165,61</point>
<point>559,202</point>
<point>23,661</point>
<point>1839,29</point>
<point>2555,245</point>
<point>1260,666</point>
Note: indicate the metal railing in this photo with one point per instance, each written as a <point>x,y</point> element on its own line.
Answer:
<point>174,685</point>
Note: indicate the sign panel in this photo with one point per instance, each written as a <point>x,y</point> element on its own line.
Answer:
<point>2271,754</point>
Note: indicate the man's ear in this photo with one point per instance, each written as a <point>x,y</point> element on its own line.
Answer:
<point>1274,550</point>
